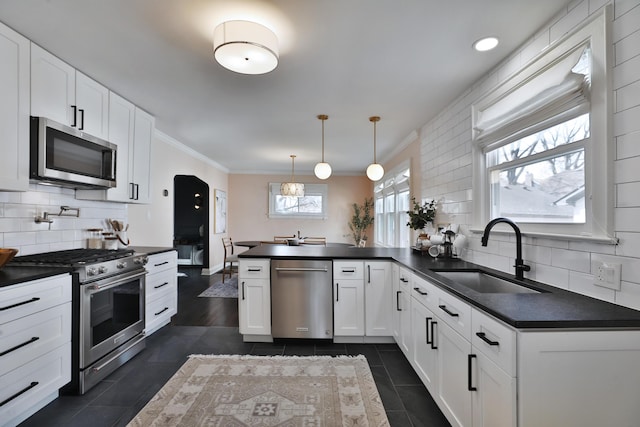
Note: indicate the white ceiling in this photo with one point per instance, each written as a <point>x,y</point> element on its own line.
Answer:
<point>403,60</point>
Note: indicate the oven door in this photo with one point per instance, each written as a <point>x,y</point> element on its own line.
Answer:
<point>111,313</point>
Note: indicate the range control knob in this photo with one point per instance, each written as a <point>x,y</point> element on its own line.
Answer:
<point>102,269</point>
<point>91,271</point>
<point>120,265</point>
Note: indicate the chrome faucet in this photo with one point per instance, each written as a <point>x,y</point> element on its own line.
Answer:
<point>520,266</point>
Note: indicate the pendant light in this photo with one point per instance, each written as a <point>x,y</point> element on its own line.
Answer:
<point>292,188</point>
<point>245,47</point>
<point>375,171</point>
<point>322,169</point>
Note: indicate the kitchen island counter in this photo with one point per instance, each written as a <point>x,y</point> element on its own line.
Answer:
<point>551,308</point>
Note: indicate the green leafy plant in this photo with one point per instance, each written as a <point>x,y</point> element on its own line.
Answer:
<point>421,215</point>
<point>361,220</point>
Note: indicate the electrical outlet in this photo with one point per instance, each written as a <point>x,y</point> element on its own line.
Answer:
<point>607,275</point>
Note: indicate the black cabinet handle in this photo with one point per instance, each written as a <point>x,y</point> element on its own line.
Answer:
<point>254,269</point>
<point>7,307</point>
<point>243,290</point>
<point>348,270</point>
<point>137,191</point>
<point>131,190</point>
<point>433,336</point>
<point>33,339</point>
<point>81,119</point>
<point>74,123</point>
<point>369,273</point>
<point>159,286</point>
<point>418,290</point>
<point>161,311</point>
<point>470,386</point>
<point>398,300</point>
<point>402,279</point>
<point>484,338</point>
<point>337,291</point>
<point>24,390</point>
<point>162,263</point>
<point>426,327</point>
<point>446,310</point>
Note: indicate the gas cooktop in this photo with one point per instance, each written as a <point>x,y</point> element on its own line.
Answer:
<point>72,257</point>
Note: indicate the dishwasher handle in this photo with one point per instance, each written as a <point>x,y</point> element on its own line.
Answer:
<point>301,269</point>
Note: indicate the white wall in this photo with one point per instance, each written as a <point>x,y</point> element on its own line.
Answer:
<point>19,230</point>
<point>447,170</point>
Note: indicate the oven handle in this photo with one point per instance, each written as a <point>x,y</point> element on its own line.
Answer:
<point>114,357</point>
<point>121,280</point>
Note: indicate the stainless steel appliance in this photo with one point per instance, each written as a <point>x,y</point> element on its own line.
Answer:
<point>302,299</point>
<point>108,309</point>
<point>69,157</point>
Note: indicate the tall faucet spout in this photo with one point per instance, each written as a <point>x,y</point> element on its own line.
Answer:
<point>520,266</point>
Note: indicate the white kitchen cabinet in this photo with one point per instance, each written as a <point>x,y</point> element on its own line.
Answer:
<point>378,298</point>
<point>403,308</point>
<point>494,393</point>
<point>395,312</point>
<point>161,290</point>
<point>14,110</point>
<point>578,378</point>
<point>254,299</point>
<point>140,158</point>
<point>348,298</point>
<point>35,345</point>
<point>67,96</point>
<point>425,351</point>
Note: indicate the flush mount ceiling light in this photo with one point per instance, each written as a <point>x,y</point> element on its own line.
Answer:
<point>292,188</point>
<point>485,44</point>
<point>375,171</point>
<point>322,169</point>
<point>245,47</point>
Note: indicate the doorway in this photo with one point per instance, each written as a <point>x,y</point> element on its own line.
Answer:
<point>191,220</point>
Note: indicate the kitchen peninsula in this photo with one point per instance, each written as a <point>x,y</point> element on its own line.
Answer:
<point>570,359</point>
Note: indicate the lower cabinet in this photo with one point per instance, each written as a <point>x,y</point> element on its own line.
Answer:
<point>348,298</point>
<point>35,345</point>
<point>254,297</point>
<point>161,290</point>
<point>378,298</point>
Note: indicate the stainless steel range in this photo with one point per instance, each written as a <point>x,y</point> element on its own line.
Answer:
<point>108,309</point>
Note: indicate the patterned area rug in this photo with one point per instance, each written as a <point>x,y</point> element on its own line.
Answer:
<point>267,391</point>
<point>228,289</point>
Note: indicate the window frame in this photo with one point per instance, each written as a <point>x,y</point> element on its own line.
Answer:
<point>309,189</point>
<point>393,183</point>
<point>599,201</point>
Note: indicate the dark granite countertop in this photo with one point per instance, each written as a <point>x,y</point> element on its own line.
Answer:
<point>551,308</point>
<point>151,250</point>
<point>13,274</point>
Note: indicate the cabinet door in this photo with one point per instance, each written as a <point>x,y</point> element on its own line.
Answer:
<point>494,397</point>
<point>92,101</point>
<point>53,87</point>
<point>254,307</point>
<point>139,164</point>
<point>425,347</point>
<point>453,375</point>
<point>378,299</point>
<point>14,106</point>
<point>121,117</point>
<point>348,308</point>
<point>395,312</point>
<point>406,341</point>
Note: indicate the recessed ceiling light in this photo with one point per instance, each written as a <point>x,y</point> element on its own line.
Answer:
<point>485,44</point>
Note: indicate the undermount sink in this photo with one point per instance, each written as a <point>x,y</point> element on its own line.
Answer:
<point>485,283</point>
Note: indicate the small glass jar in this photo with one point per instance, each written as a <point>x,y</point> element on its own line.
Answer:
<point>94,241</point>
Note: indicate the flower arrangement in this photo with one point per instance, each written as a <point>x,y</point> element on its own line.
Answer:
<point>421,215</point>
<point>361,220</point>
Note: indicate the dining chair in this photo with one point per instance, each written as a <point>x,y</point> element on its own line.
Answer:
<point>315,241</point>
<point>229,256</point>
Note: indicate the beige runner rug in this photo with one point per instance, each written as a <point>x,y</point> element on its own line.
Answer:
<point>317,391</point>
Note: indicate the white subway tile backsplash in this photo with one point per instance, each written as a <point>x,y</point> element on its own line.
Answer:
<point>621,7</point>
<point>629,295</point>
<point>628,96</point>
<point>626,121</point>
<point>626,24</point>
<point>627,48</point>
<point>626,73</point>
<point>628,145</point>
<point>571,260</point>
<point>595,5</point>
<point>583,284</point>
<point>626,170</point>
<point>629,245</point>
<point>626,219</point>
<point>554,276</point>
<point>627,195</point>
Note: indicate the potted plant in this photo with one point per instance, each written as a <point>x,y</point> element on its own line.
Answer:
<point>361,220</point>
<point>421,215</point>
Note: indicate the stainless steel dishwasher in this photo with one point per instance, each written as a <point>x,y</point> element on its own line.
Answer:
<point>302,298</point>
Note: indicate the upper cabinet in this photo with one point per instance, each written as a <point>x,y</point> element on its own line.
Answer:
<point>14,110</point>
<point>65,95</point>
<point>140,161</point>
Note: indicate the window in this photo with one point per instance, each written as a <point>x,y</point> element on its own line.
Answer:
<point>312,205</point>
<point>391,206</point>
<point>541,142</point>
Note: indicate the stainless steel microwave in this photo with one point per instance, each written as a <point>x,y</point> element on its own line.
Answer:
<point>68,157</point>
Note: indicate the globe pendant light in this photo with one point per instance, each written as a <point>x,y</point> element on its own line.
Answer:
<point>375,171</point>
<point>292,188</point>
<point>322,169</point>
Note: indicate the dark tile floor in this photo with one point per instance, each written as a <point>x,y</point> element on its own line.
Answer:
<point>118,398</point>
